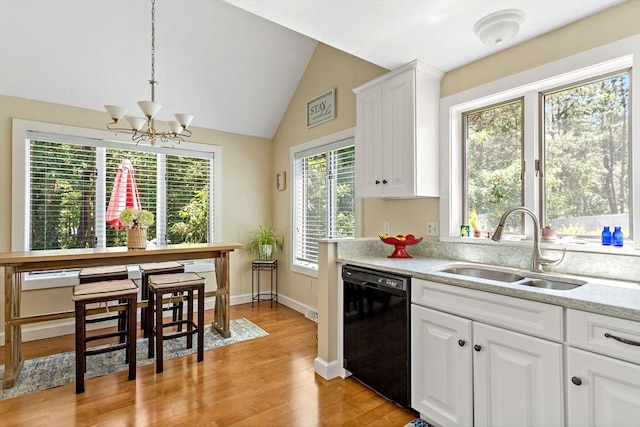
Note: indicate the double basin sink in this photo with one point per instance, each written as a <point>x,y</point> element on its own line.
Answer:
<point>514,278</point>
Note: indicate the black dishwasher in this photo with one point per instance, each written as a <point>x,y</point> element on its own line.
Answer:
<point>376,330</point>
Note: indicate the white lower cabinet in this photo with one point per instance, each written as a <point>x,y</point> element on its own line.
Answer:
<point>468,373</point>
<point>602,391</point>
<point>476,362</point>
<point>441,369</point>
<point>517,379</point>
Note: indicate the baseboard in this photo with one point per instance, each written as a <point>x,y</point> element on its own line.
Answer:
<point>67,326</point>
<point>327,370</point>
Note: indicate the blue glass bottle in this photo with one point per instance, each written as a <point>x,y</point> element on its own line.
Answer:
<point>616,239</point>
<point>606,236</point>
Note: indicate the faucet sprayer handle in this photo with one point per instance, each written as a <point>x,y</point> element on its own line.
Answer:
<point>551,261</point>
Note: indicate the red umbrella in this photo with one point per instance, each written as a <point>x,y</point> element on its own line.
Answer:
<point>124,194</point>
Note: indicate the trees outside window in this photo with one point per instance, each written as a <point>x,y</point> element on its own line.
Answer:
<point>493,154</point>
<point>65,188</point>
<point>582,166</point>
<point>586,179</point>
<point>323,198</point>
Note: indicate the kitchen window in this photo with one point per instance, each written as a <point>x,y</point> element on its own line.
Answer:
<point>579,159</point>
<point>323,198</point>
<point>584,171</point>
<point>494,164</point>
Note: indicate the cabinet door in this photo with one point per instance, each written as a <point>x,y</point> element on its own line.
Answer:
<point>517,379</point>
<point>399,135</point>
<point>369,143</point>
<point>441,367</point>
<point>602,391</point>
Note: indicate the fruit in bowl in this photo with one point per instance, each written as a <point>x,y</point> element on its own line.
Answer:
<point>400,242</point>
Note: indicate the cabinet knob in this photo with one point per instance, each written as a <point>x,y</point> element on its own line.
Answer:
<point>576,380</point>
<point>384,181</point>
<point>377,181</point>
<point>461,343</point>
<point>477,347</point>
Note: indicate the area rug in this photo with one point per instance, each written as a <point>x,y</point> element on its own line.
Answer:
<point>59,369</point>
<point>418,422</point>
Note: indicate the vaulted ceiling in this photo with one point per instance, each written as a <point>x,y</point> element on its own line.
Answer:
<point>235,64</point>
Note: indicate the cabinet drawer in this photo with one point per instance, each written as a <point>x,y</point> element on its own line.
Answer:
<point>605,335</point>
<point>531,317</point>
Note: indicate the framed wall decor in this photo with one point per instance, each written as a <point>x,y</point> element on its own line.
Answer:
<point>281,181</point>
<point>322,108</point>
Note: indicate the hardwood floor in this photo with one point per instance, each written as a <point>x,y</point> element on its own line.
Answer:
<point>267,381</point>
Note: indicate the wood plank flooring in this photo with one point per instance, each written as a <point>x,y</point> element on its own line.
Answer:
<point>267,382</point>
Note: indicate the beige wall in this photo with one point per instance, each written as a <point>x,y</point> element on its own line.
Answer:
<point>246,187</point>
<point>328,68</point>
<point>605,27</point>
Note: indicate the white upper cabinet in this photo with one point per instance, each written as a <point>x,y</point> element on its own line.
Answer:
<point>397,134</point>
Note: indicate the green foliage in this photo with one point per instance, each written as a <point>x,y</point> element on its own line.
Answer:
<point>586,148</point>
<point>194,227</point>
<point>264,235</point>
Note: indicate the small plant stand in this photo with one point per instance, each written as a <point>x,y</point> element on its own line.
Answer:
<point>264,265</point>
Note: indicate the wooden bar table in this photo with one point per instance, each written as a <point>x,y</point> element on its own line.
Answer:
<point>17,263</point>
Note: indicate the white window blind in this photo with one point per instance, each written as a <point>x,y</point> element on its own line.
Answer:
<point>323,198</point>
<point>70,181</point>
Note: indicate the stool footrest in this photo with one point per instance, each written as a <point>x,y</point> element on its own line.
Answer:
<point>93,352</point>
<point>105,336</point>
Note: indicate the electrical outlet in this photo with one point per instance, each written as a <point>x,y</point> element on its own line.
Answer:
<point>386,227</point>
<point>309,284</point>
<point>432,228</point>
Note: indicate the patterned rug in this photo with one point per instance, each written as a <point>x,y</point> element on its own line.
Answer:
<point>59,369</point>
<point>418,422</point>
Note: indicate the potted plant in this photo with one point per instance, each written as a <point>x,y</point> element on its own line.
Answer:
<point>473,222</point>
<point>549,233</point>
<point>136,221</point>
<point>265,242</point>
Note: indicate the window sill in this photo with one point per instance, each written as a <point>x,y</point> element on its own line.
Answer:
<point>627,249</point>
<point>304,270</point>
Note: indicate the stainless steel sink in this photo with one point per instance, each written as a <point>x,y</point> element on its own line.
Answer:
<point>552,284</point>
<point>503,276</point>
<point>483,273</point>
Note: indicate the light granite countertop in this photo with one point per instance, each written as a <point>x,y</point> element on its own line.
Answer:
<point>603,296</point>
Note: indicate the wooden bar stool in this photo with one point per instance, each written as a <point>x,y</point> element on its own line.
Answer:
<point>100,274</point>
<point>183,284</point>
<point>148,269</point>
<point>96,293</point>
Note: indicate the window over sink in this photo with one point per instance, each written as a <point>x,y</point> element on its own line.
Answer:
<point>556,139</point>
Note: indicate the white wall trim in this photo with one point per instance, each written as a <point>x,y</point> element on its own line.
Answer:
<point>327,370</point>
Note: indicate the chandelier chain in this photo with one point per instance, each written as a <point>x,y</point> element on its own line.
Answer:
<point>144,129</point>
<point>153,39</point>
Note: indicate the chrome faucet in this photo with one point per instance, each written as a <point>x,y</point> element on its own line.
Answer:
<point>537,260</point>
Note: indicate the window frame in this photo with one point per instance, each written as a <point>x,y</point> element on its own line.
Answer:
<point>20,179</point>
<point>331,141</point>
<point>596,62</point>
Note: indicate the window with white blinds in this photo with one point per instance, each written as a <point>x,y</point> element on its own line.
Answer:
<point>324,185</point>
<point>71,180</point>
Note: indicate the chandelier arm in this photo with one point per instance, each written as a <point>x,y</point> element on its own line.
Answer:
<point>111,126</point>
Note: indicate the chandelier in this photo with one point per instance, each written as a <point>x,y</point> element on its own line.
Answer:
<point>143,129</point>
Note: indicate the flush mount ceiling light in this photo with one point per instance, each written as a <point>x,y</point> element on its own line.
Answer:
<point>143,129</point>
<point>499,27</point>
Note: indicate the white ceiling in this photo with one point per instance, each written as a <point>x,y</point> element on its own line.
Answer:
<point>233,70</point>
